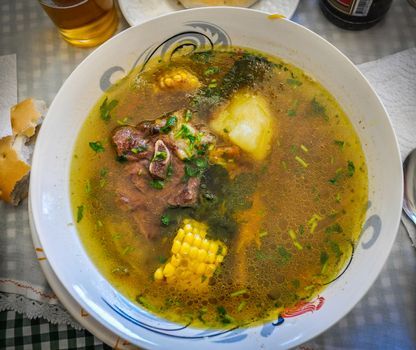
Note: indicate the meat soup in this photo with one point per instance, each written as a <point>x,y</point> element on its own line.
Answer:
<point>218,188</point>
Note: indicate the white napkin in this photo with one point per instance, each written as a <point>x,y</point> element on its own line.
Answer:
<point>8,94</point>
<point>22,285</point>
<point>394,79</point>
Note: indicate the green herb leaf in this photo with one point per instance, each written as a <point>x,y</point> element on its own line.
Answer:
<point>350,168</point>
<point>127,250</point>
<point>294,82</point>
<point>169,171</point>
<point>188,115</point>
<point>340,144</point>
<point>335,248</point>
<point>97,146</point>
<point>238,293</point>
<point>324,257</point>
<point>212,70</point>
<point>157,184</point>
<point>296,284</point>
<point>337,177</point>
<point>160,155</point>
<point>80,213</point>
<point>103,172</point>
<point>165,220</point>
<point>291,113</point>
<point>317,107</point>
<point>138,149</point>
<point>88,186</point>
<point>106,108</point>
<point>202,57</point>
<point>335,228</point>
<point>170,123</point>
<point>121,159</point>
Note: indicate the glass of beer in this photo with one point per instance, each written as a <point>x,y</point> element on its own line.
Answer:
<point>83,23</point>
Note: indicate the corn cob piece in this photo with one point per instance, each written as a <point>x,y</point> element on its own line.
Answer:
<point>194,257</point>
<point>179,79</point>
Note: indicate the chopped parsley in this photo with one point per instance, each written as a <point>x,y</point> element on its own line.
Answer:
<point>97,146</point>
<point>106,108</point>
<point>294,82</point>
<point>318,108</point>
<point>334,228</point>
<point>157,184</point>
<point>80,213</point>
<point>103,172</point>
<point>337,177</point>
<point>323,258</point>
<point>212,70</point>
<point>170,123</point>
<point>188,115</point>
<point>165,220</point>
<point>138,149</point>
<point>160,155</point>
<point>169,171</point>
<point>340,144</point>
<point>350,168</point>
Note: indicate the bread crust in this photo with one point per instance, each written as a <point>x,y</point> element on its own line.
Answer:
<point>25,117</point>
<point>13,172</point>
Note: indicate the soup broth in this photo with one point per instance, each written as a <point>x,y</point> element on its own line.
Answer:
<point>199,214</point>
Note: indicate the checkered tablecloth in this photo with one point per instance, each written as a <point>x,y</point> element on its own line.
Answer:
<point>386,316</point>
<point>18,332</point>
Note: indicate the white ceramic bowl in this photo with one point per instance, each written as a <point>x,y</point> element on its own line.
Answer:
<point>49,188</point>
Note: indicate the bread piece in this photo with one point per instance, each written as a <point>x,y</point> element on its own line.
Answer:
<point>204,3</point>
<point>14,172</point>
<point>26,116</point>
<point>16,150</point>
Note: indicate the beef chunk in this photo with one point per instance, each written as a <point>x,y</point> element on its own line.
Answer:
<point>131,143</point>
<point>187,195</point>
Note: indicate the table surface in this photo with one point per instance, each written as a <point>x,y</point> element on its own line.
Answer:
<point>385,318</point>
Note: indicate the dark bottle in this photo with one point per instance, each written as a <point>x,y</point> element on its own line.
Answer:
<point>355,14</point>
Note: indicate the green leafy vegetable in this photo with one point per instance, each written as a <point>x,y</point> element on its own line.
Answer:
<point>212,70</point>
<point>340,144</point>
<point>350,168</point>
<point>157,184</point>
<point>334,228</point>
<point>318,108</point>
<point>80,213</point>
<point>160,155</point>
<point>103,172</point>
<point>165,220</point>
<point>106,108</point>
<point>97,146</point>
<point>88,186</point>
<point>337,177</point>
<point>224,316</point>
<point>294,82</point>
<point>138,149</point>
<point>335,248</point>
<point>284,254</point>
<point>203,56</point>
<point>188,115</point>
<point>324,257</point>
<point>238,293</point>
<point>170,123</point>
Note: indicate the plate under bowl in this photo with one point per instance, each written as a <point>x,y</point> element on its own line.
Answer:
<point>49,187</point>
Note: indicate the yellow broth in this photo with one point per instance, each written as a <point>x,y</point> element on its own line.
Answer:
<point>312,186</point>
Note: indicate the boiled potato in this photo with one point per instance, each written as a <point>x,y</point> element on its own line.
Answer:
<point>246,122</point>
